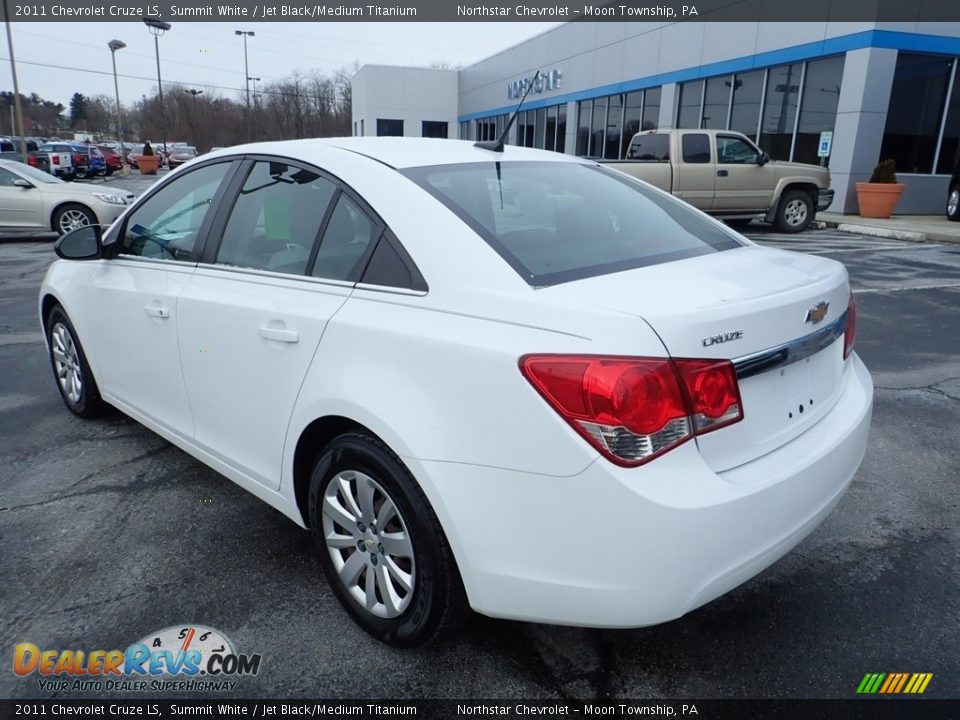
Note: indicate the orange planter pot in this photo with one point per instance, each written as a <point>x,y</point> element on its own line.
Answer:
<point>877,200</point>
<point>149,164</point>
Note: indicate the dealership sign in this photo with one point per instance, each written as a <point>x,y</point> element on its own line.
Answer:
<point>546,80</point>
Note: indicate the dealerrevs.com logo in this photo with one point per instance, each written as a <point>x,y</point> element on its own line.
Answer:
<point>179,658</point>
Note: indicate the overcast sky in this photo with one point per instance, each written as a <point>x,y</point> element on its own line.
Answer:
<point>210,56</point>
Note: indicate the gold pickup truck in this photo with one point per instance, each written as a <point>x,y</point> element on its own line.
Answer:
<point>723,173</point>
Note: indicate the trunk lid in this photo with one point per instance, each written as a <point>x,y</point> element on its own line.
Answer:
<point>733,305</point>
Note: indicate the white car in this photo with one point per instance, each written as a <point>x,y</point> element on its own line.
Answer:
<point>512,381</point>
<point>31,199</point>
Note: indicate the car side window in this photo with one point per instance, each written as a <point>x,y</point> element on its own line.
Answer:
<point>167,225</point>
<point>7,178</point>
<point>734,150</point>
<point>391,266</point>
<point>696,148</point>
<point>345,241</point>
<point>276,218</point>
<point>650,148</point>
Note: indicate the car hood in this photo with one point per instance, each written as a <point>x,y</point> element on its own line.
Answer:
<point>795,168</point>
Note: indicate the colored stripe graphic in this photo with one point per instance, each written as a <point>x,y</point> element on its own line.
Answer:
<point>894,683</point>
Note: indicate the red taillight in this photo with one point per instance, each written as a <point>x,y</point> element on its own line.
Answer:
<point>635,409</point>
<point>56,159</point>
<point>850,332</point>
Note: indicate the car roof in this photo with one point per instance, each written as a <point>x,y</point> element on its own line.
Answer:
<point>402,152</point>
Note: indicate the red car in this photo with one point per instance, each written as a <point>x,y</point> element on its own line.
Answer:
<point>180,154</point>
<point>114,161</point>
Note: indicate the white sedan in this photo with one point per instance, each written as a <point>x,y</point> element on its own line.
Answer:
<point>31,199</point>
<point>510,381</point>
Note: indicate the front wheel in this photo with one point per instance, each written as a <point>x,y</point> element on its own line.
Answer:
<point>70,368</point>
<point>72,216</point>
<point>795,212</point>
<point>381,545</point>
<point>953,204</point>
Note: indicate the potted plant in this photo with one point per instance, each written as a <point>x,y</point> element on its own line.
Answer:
<point>149,161</point>
<point>879,197</point>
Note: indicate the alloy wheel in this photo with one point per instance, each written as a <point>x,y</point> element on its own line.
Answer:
<point>953,202</point>
<point>369,544</point>
<point>795,212</point>
<point>66,362</point>
<point>72,219</point>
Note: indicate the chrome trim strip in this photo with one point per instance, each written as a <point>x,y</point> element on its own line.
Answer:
<point>790,352</point>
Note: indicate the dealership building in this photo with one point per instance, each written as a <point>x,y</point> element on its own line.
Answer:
<point>845,94</point>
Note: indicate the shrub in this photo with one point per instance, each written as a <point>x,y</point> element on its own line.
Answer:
<point>885,172</point>
<point>148,149</point>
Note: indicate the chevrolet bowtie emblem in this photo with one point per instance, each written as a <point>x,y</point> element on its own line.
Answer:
<point>817,313</point>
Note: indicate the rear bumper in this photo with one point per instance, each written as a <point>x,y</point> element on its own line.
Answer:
<point>616,547</point>
<point>824,198</point>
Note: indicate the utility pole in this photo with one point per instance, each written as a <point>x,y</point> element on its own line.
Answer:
<point>256,130</point>
<point>16,85</point>
<point>246,75</point>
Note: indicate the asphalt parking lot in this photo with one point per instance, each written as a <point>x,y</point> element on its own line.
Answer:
<point>109,533</point>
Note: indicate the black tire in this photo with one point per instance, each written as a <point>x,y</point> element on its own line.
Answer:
<point>87,402</point>
<point>68,217</point>
<point>437,603</point>
<point>953,203</point>
<point>795,212</point>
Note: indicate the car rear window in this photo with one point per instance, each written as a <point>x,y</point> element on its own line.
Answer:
<point>557,222</point>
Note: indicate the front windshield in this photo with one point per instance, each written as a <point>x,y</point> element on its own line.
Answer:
<point>34,175</point>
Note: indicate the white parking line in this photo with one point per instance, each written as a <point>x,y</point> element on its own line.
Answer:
<point>941,286</point>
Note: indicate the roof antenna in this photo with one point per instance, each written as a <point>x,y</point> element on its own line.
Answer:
<point>497,145</point>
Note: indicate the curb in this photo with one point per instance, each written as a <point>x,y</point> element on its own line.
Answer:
<point>889,233</point>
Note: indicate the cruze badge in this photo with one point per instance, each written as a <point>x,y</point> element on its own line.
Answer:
<point>722,338</point>
<point>817,313</point>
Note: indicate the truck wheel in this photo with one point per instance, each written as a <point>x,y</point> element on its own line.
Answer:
<point>953,203</point>
<point>795,212</point>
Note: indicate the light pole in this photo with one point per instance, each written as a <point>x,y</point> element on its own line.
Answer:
<point>158,28</point>
<point>194,93</point>
<point>256,129</point>
<point>115,45</point>
<point>246,74</point>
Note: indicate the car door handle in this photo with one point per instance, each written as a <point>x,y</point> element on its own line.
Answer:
<point>279,334</point>
<point>722,173</point>
<point>156,311</point>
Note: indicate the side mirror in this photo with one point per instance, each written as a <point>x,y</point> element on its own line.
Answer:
<point>21,183</point>
<point>763,159</point>
<point>85,243</point>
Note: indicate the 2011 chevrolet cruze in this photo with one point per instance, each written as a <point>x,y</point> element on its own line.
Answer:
<point>510,381</point>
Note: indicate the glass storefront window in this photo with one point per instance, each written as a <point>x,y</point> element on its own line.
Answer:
<point>916,107</point>
<point>584,114</point>
<point>561,128</point>
<point>597,126</point>
<point>691,96</point>
<point>651,109</point>
<point>611,149</point>
<point>540,128</point>
<point>551,134</point>
<point>780,110</point>
<point>949,159</point>
<point>818,108</point>
<point>747,96</point>
<point>716,102</point>
<point>632,111</point>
